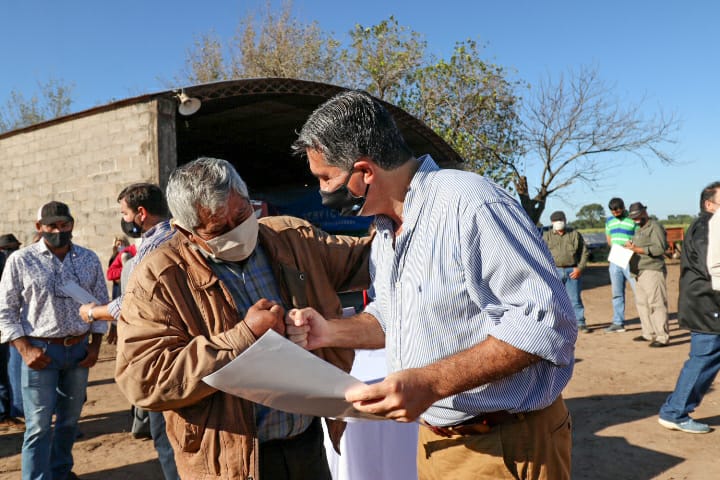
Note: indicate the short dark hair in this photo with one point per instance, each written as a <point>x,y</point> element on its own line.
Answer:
<point>146,195</point>
<point>352,125</point>
<point>616,203</point>
<point>707,194</point>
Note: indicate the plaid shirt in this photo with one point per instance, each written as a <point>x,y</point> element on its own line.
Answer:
<point>153,238</point>
<point>248,282</point>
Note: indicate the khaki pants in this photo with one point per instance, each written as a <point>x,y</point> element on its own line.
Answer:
<point>651,300</point>
<point>537,447</point>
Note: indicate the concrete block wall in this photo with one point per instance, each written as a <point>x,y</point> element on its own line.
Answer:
<point>84,162</point>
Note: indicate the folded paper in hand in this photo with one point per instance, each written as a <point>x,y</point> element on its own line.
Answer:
<point>279,374</point>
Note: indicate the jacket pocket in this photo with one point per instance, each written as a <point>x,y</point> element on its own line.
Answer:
<point>190,425</point>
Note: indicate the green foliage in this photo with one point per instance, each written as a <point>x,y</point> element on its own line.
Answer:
<point>471,105</point>
<point>590,216</point>
<point>675,220</point>
<point>383,58</point>
<point>52,100</point>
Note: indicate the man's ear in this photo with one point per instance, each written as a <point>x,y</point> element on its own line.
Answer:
<point>367,167</point>
<point>37,226</point>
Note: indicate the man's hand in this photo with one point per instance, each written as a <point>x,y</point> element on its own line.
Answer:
<point>265,315</point>
<point>93,351</point>
<point>84,311</point>
<point>403,396</point>
<point>34,357</point>
<point>112,335</point>
<point>307,328</point>
<point>576,273</point>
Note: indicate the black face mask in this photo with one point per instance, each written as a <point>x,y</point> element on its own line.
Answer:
<point>342,200</point>
<point>131,229</point>
<point>57,239</point>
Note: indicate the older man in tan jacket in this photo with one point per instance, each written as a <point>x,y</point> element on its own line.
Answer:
<point>208,294</point>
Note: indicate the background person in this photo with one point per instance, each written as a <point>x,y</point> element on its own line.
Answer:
<point>120,244</point>
<point>43,324</point>
<point>699,312</point>
<point>619,229</point>
<point>570,255</point>
<point>648,266</point>
<point>145,215</point>
<point>10,407</point>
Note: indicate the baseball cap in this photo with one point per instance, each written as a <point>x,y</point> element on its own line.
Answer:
<point>557,216</point>
<point>636,209</point>
<point>54,212</point>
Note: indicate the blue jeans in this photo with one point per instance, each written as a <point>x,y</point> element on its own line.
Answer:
<point>57,389</point>
<point>695,379</point>
<point>617,281</point>
<point>162,446</point>
<point>573,288</point>
<point>14,373</point>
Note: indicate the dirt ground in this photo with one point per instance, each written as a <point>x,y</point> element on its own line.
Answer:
<point>614,397</point>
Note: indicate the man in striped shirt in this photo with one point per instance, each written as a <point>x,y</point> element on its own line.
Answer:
<point>619,229</point>
<point>145,215</point>
<point>478,329</point>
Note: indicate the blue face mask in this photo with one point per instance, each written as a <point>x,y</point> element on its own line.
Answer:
<point>342,200</point>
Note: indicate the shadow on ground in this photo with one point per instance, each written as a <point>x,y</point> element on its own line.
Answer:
<point>598,457</point>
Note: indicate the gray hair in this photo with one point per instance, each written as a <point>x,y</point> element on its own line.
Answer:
<point>205,182</point>
<point>352,125</point>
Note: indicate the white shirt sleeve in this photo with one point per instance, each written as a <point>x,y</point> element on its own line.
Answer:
<point>713,257</point>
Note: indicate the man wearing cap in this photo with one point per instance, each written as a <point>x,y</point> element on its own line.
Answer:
<point>648,267</point>
<point>9,390</point>
<point>570,255</point>
<point>619,229</point>
<point>41,320</point>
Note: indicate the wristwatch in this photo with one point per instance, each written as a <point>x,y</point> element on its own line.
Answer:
<point>90,315</point>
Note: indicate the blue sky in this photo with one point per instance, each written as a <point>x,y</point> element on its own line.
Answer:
<point>663,51</point>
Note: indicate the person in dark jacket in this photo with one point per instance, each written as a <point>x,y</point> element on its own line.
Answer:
<point>699,312</point>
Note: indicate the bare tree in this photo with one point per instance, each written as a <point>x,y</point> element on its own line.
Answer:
<point>568,124</point>
<point>205,61</point>
<point>52,100</point>
<point>280,45</point>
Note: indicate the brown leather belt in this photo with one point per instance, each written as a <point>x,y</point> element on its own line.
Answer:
<point>66,341</point>
<point>477,425</point>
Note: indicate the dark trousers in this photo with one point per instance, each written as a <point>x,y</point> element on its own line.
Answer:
<point>5,391</point>
<point>297,458</point>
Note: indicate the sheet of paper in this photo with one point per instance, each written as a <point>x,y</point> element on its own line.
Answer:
<point>77,293</point>
<point>620,256</point>
<point>279,374</point>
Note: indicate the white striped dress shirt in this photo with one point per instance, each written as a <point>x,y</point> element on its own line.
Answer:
<point>469,263</point>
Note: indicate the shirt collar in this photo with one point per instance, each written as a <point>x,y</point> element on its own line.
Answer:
<point>418,191</point>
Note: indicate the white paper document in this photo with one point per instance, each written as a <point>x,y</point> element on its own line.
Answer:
<point>620,256</point>
<point>78,293</point>
<point>279,374</point>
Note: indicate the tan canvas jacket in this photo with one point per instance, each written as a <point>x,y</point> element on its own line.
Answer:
<point>179,323</point>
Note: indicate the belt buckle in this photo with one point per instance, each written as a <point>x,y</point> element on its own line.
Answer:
<point>68,341</point>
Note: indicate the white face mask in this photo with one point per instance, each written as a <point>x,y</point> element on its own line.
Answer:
<point>237,244</point>
<point>558,226</point>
